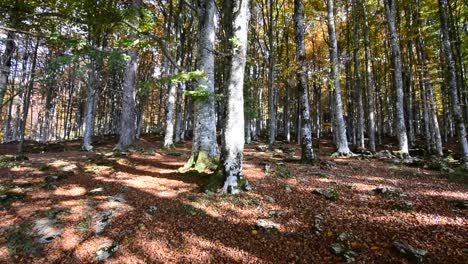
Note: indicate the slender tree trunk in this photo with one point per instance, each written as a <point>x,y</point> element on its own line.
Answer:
<point>369,81</point>
<point>341,140</point>
<point>398,79</point>
<point>5,65</point>
<point>271,78</point>
<point>91,101</point>
<point>233,143</point>
<point>307,155</point>
<point>449,61</point>
<point>27,100</point>
<point>358,80</point>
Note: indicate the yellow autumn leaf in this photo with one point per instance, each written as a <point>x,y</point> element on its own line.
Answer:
<point>375,248</point>
<point>254,232</point>
<point>329,233</point>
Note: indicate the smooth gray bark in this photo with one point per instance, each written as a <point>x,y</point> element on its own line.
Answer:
<point>452,80</point>
<point>128,115</point>
<point>271,78</point>
<point>397,77</point>
<point>233,143</point>
<point>205,147</point>
<point>307,154</point>
<point>358,78</point>
<point>91,102</point>
<point>341,139</point>
<point>369,82</point>
<point>170,106</point>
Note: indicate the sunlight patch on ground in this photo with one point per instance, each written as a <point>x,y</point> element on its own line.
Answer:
<point>447,194</point>
<point>71,190</point>
<point>422,219</point>
<point>363,187</point>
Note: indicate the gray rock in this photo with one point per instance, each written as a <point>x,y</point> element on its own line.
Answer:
<point>262,148</point>
<point>46,230</point>
<point>409,252</point>
<point>389,191</point>
<point>338,249</point>
<point>51,179</point>
<point>270,199</point>
<point>118,198</point>
<point>69,168</point>
<point>343,237</point>
<point>275,213</point>
<point>330,194</point>
<point>287,189</point>
<point>152,209</point>
<point>318,222</point>
<point>341,250</point>
<point>266,225</point>
<point>96,191</point>
<point>384,154</point>
<point>106,250</point>
<point>102,220</point>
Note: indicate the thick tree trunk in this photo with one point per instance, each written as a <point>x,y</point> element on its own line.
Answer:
<point>233,143</point>
<point>398,78</point>
<point>307,155</point>
<point>204,147</point>
<point>128,114</point>
<point>449,61</point>
<point>341,140</point>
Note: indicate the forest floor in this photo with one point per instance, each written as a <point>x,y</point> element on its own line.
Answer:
<point>138,208</point>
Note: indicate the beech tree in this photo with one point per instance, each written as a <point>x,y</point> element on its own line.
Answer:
<point>341,140</point>
<point>452,81</point>
<point>204,145</point>
<point>128,117</point>
<point>233,137</point>
<point>397,76</point>
<point>307,155</point>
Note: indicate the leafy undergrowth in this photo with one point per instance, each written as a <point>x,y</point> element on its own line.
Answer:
<point>152,213</point>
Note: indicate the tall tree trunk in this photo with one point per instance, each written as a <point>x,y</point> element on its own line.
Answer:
<point>449,61</point>
<point>5,65</point>
<point>205,147</point>
<point>233,143</point>
<point>27,101</point>
<point>341,140</point>
<point>128,114</point>
<point>398,78</point>
<point>369,81</point>
<point>91,102</point>
<point>358,80</point>
<point>307,154</point>
<point>271,78</point>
